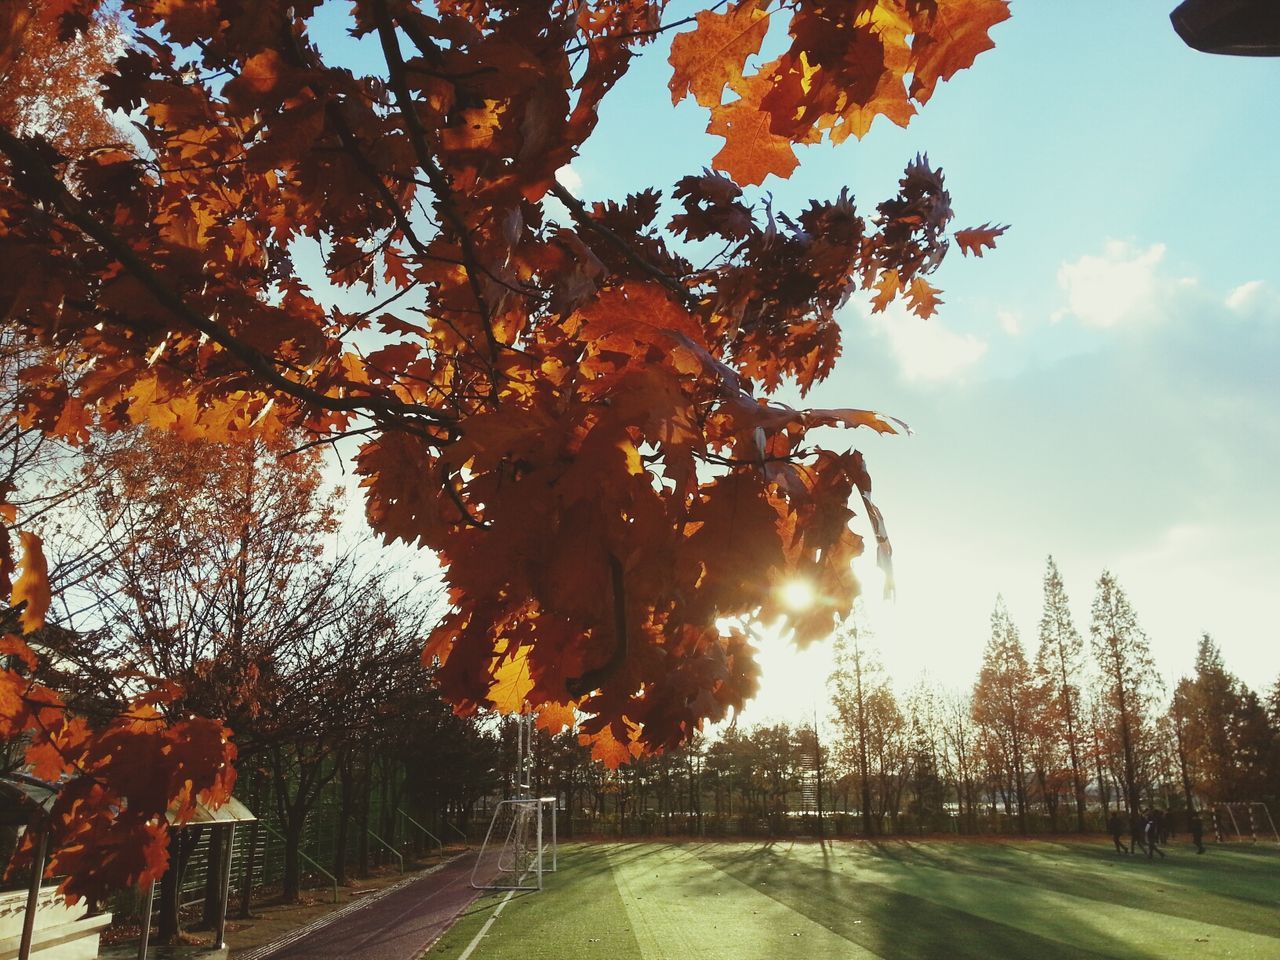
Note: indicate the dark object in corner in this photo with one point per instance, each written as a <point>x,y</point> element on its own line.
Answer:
<point>1242,28</point>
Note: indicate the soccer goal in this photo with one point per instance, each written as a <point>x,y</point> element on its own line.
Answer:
<point>1240,821</point>
<point>519,847</point>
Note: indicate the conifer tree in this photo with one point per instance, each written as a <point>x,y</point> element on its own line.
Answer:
<point>1002,702</point>
<point>1129,682</point>
<point>1228,734</point>
<point>1059,662</point>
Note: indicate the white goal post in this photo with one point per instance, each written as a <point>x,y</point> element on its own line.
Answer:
<point>1238,819</point>
<point>519,847</point>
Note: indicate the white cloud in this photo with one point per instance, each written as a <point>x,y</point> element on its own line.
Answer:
<point>570,179</point>
<point>1245,295</point>
<point>1257,300</point>
<point>925,350</point>
<point>1118,287</point>
<point>1010,321</point>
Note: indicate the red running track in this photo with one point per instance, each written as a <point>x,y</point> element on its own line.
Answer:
<point>397,926</point>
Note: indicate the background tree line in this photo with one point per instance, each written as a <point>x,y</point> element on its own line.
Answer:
<point>1054,739</point>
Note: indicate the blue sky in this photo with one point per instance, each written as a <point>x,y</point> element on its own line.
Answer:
<point>1101,387</point>
<point>1087,390</point>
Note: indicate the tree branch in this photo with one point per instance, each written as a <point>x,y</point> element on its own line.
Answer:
<point>584,218</point>
<point>594,679</point>
<point>435,173</point>
<point>30,163</point>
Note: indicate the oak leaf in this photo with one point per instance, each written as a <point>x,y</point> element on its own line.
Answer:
<point>922,298</point>
<point>32,586</point>
<point>752,151</point>
<point>949,38</point>
<point>712,55</point>
<point>512,682</point>
<point>973,240</point>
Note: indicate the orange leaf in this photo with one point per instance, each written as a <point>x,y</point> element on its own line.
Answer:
<point>555,717</point>
<point>975,238</point>
<point>32,585</point>
<point>608,749</point>
<point>17,647</point>
<point>752,150</point>
<point>922,297</point>
<point>951,40</point>
<point>512,683</point>
<point>887,288</point>
<point>258,79</point>
<point>713,54</point>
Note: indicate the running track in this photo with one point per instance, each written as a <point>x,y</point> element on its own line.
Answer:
<point>397,926</point>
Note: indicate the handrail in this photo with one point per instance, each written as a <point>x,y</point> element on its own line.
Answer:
<point>465,838</point>
<point>303,855</point>
<point>424,830</point>
<point>394,852</point>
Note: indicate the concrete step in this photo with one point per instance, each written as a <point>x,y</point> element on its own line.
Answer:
<point>77,940</point>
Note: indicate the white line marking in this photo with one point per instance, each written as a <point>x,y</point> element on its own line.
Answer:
<point>485,929</point>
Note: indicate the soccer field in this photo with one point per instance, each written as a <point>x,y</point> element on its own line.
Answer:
<point>891,899</point>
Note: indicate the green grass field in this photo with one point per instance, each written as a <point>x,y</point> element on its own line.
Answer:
<point>893,900</point>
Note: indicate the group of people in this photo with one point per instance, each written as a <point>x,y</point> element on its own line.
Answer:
<point>1150,830</point>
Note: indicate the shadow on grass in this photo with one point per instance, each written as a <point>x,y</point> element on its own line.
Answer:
<point>899,924</point>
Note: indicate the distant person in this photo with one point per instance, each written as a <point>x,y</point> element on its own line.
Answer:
<point>1137,832</point>
<point>1162,826</point>
<point>1197,831</point>
<point>1151,828</point>
<point>1116,825</point>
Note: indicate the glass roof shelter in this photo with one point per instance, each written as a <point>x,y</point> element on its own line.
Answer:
<point>26,800</point>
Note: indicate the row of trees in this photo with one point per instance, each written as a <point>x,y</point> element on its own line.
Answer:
<point>217,571</point>
<point>1067,734</point>
<point>1052,740</point>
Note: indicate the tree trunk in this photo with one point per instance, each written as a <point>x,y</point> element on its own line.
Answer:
<point>346,805</point>
<point>169,922</point>
<point>291,884</point>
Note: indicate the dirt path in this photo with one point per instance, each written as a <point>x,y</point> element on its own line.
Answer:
<point>398,925</point>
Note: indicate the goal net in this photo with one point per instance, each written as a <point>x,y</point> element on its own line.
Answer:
<point>1243,821</point>
<point>519,847</point>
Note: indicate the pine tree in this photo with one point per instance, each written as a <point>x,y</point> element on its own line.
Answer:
<point>1129,680</point>
<point>1002,701</point>
<point>1060,661</point>
<point>1229,733</point>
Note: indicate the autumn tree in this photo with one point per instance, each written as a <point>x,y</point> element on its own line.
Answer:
<point>1128,684</point>
<point>1002,705</point>
<point>1181,718</point>
<point>206,569</point>
<point>1059,666</point>
<point>1225,735</point>
<point>360,702</point>
<point>960,756</point>
<point>572,416</point>
<point>867,714</point>
<point>49,67</point>
<point>923,710</point>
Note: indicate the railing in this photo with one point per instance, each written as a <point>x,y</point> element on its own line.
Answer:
<point>425,832</point>
<point>394,852</point>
